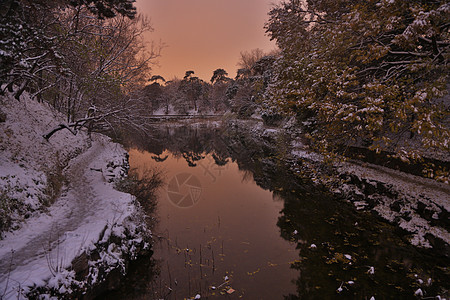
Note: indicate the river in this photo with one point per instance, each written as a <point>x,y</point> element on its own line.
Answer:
<point>235,221</point>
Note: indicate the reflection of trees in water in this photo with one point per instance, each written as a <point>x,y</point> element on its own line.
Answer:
<point>347,242</point>
<point>220,160</point>
<point>190,142</point>
<point>194,142</point>
<point>158,158</point>
<point>141,279</point>
<point>192,157</point>
<point>247,175</point>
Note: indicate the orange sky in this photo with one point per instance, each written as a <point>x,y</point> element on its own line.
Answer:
<point>203,35</point>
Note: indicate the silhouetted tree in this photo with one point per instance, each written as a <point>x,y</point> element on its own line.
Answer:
<point>192,87</point>
<point>155,78</point>
<point>107,8</point>
<point>219,75</point>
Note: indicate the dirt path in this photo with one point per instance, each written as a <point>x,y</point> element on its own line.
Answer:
<point>35,244</point>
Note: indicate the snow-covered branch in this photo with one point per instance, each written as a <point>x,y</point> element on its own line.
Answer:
<point>74,127</point>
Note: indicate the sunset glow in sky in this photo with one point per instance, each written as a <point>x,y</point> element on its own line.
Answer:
<point>203,35</point>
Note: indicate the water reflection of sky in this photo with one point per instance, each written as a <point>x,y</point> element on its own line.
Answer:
<point>230,230</point>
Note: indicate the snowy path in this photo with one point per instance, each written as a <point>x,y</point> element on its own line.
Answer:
<point>50,242</point>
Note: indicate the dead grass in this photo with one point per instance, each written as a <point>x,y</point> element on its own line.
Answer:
<point>143,187</point>
<point>7,208</point>
<point>55,181</point>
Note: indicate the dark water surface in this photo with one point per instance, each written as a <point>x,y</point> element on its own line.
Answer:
<point>235,221</point>
<point>215,221</point>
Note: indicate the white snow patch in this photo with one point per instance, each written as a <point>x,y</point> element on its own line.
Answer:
<point>307,155</point>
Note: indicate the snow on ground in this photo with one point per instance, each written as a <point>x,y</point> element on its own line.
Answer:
<point>412,191</point>
<point>45,245</point>
<point>162,111</point>
<point>170,110</point>
<point>27,159</point>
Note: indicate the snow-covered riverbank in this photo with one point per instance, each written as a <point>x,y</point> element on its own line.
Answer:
<point>416,204</point>
<point>48,228</point>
